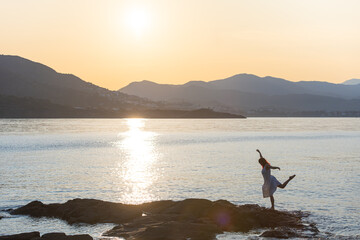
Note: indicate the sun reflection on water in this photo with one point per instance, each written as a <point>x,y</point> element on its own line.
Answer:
<point>137,171</point>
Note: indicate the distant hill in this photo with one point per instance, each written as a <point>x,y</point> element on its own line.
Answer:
<point>21,77</point>
<point>250,84</point>
<point>352,82</point>
<point>245,93</point>
<point>30,89</point>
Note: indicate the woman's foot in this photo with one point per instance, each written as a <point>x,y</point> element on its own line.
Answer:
<point>291,177</point>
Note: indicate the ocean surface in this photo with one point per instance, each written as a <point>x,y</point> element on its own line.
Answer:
<point>141,160</point>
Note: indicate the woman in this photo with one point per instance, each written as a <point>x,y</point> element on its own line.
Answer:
<point>270,182</point>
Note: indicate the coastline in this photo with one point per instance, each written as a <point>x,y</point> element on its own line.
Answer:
<point>27,107</point>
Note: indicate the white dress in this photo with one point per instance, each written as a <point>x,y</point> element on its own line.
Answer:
<point>270,183</point>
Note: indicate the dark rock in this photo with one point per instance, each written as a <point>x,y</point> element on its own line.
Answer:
<point>190,218</point>
<point>79,237</point>
<point>169,230</point>
<point>54,236</point>
<point>63,236</point>
<point>203,219</point>
<point>47,236</point>
<point>82,211</point>
<point>177,230</point>
<point>34,209</point>
<point>21,236</point>
<point>157,206</point>
<point>282,232</point>
<point>189,207</point>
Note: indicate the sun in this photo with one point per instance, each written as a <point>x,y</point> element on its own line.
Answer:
<point>138,19</point>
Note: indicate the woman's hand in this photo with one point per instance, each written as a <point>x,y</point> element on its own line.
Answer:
<point>273,167</point>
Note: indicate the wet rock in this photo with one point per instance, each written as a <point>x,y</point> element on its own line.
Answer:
<point>21,236</point>
<point>47,236</point>
<point>82,211</point>
<point>190,218</point>
<point>79,237</point>
<point>281,233</point>
<point>189,207</point>
<point>203,219</point>
<point>54,236</point>
<point>164,227</point>
<point>63,236</point>
<point>286,232</point>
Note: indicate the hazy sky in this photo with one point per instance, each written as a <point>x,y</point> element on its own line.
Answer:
<point>112,42</point>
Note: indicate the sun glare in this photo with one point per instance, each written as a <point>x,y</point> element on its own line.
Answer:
<point>137,171</point>
<point>138,20</point>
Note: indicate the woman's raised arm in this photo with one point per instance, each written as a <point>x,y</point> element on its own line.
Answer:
<point>259,153</point>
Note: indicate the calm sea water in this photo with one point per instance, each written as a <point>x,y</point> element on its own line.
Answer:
<point>141,160</point>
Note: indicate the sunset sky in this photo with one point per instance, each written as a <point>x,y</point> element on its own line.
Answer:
<point>112,42</point>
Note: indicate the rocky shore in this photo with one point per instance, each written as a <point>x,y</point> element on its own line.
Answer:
<point>196,219</point>
<point>47,236</point>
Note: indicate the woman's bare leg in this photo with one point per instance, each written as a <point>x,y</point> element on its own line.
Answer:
<point>272,202</point>
<point>286,182</point>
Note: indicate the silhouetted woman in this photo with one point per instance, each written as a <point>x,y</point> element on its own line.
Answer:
<point>270,182</point>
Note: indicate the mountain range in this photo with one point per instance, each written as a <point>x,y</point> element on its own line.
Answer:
<point>30,89</point>
<point>257,96</point>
